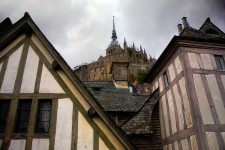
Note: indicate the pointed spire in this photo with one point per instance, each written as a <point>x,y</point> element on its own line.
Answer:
<point>125,42</point>
<point>141,49</point>
<point>114,37</point>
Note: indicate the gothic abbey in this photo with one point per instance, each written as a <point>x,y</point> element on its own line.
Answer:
<point>133,59</point>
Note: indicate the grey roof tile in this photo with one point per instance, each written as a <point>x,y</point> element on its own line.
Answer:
<point>114,99</point>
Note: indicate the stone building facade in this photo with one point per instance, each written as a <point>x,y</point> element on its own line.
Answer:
<point>100,69</point>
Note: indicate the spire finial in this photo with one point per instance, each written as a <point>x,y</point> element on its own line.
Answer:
<point>113,24</point>
<point>114,30</point>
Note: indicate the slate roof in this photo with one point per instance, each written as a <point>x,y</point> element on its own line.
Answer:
<point>207,31</point>
<point>114,99</point>
<point>141,123</point>
<point>5,25</point>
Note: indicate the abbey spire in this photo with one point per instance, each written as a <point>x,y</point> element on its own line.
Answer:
<point>114,37</point>
<point>114,41</point>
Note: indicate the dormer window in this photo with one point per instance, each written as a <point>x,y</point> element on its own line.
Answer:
<point>96,88</point>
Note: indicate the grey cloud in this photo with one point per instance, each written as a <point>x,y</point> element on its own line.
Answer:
<point>81,29</point>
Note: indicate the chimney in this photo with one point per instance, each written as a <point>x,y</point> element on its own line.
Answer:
<point>180,28</point>
<point>185,22</point>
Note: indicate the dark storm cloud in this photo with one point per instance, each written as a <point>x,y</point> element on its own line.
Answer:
<point>81,29</point>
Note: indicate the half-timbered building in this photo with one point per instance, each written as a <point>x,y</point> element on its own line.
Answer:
<point>43,105</point>
<point>190,77</point>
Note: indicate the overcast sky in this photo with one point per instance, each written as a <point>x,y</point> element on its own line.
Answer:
<point>81,29</point>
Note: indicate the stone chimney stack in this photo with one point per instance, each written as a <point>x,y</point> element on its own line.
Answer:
<point>180,28</point>
<point>185,22</point>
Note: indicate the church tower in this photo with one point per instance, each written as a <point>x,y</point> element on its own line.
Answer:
<point>114,46</point>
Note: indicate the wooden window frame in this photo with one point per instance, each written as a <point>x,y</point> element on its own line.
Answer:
<point>220,63</point>
<point>20,120</point>
<point>165,79</point>
<point>39,120</point>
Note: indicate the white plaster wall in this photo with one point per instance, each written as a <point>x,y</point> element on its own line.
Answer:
<point>11,71</point>
<point>102,145</point>
<point>178,65</point>
<point>194,145</point>
<point>30,72</point>
<point>40,144</point>
<point>85,134</point>
<point>165,115</point>
<point>217,99</point>
<point>223,80</point>
<point>156,84</point>
<point>153,88</point>
<point>161,119</point>
<point>48,83</point>
<point>17,145</point>
<point>172,112</point>
<point>171,72</point>
<point>176,146</point>
<point>212,141</point>
<point>165,147</point>
<point>193,60</point>
<point>223,135</point>
<point>184,144</point>
<point>170,147</point>
<point>64,124</point>
<point>202,100</point>
<point>186,104</point>
<point>179,107</point>
<point>206,60</point>
<point>160,84</point>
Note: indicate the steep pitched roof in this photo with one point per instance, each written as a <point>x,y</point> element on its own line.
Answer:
<point>191,35</point>
<point>207,31</point>
<point>26,25</point>
<point>114,99</point>
<point>141,123</point>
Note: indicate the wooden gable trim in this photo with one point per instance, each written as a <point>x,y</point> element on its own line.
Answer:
<point>87,95</point>
<point>70,94</point>
<point>17,30</point>
<point>174,45</point>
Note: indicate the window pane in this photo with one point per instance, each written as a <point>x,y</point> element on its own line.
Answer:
<point>23,116</point>
<point>4,110</point>
<point>44,116</point>
<point>165,79</point>
<point>220,62</point>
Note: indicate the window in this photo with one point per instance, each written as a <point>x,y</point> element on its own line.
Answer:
<point>165,79</point>
<point>23,116</point>
<point>220,62</point>
<point>4,110</point>
<point>44,116</point>
<point>114,117</point>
